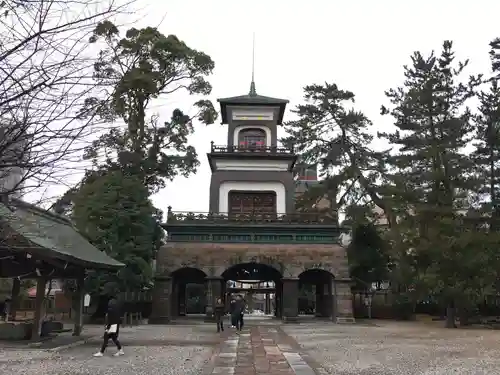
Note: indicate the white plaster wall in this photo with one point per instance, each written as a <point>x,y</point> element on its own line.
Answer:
<point>243,127</point>
<point>251,165</point>
<point>275,186</point>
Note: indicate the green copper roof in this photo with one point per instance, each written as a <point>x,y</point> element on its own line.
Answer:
<point>252,99</point>
<point>53,236</point>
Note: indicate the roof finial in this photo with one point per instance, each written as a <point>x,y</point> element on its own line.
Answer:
<point>253,92</point>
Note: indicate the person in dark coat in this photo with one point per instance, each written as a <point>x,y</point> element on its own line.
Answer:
<point>112,329</point>
<point>220,310</point>
<point>239,310</point>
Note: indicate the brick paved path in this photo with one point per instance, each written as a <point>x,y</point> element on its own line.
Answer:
<point>264,350</point>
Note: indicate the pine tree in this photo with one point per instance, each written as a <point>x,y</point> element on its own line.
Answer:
<point>334,136</point>
<point>433,127</point>
<point>487,153</point>
<point>369,261</point>
<point>431,174</point>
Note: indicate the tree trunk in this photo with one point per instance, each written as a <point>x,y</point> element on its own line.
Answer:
<point>463,316</point>
<point>450,316</point>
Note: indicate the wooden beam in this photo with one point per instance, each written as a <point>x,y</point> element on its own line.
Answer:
<point>25,267</point>
<point>15,297</point>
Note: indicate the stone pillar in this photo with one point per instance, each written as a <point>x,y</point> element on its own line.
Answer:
<point>281,301</point>
<point>223,292</point>
<point>277,299</point>
<point>182,298</point>
<point>319,300</point>
<point>227,300</point>
<point>343,311</point>
<point>290,299</point>
<point>267,309</point>
<point>328,300</point>
<point>213,287</point>
<point>175,298</point>
<point>162,301</point>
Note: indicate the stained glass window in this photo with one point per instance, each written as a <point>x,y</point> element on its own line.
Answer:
<point>252,138</point>
<point>252,202</point>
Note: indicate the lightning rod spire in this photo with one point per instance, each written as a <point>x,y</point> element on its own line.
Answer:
<point>253,92</point>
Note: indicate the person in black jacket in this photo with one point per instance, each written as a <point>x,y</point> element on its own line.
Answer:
<point>220,310</point>
<point>112,330</point>
<point>238,312</point>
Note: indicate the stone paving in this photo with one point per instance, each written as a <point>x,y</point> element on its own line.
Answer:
<point>259,350</point>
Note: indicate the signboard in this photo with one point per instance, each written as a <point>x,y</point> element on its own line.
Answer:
<point>86,300</point>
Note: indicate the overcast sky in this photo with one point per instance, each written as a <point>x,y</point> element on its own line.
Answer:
<point>360,45</point>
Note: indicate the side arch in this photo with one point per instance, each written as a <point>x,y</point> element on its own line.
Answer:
<point>317,295</point>
<point>188,291</point>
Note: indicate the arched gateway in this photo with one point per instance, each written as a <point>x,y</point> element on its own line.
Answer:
<point>252,231</point>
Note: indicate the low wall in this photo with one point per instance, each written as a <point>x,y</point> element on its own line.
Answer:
<point>15,331</point>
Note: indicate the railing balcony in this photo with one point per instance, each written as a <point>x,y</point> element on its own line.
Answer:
<point>249,218</point>
<point>250,147</point>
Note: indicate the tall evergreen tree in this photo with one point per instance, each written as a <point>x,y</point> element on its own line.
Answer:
<point>429,166</point>
<point>133,70</point>
<point>114,212</point>
<point>430,173</point>
<point>487,153</point>
<point>369,260</point>
<point>334,136</point>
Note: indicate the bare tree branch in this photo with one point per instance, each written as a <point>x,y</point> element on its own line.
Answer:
<point>46,67</point>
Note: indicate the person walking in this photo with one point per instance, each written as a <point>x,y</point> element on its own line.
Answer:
<point>112,330</point>
<point>220,309</point>
<point>239,310</point>
<point>232,308</point>
<point>242,313</point>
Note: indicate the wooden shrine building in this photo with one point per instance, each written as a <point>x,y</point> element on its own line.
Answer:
<point>37,244</point>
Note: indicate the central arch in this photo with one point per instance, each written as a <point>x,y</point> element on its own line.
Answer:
<point>258,283</point>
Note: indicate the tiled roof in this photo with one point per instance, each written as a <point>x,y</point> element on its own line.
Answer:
<point>53,236</point>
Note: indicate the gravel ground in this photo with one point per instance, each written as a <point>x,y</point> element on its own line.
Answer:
<point>399,348</point>
<point>149,350</point>
<point>388,349</point>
